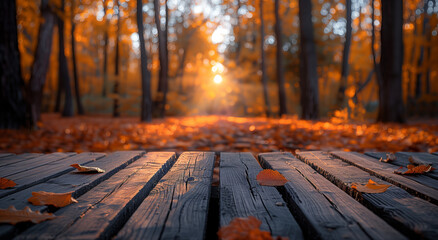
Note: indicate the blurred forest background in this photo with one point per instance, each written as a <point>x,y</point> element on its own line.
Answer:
<point>345,60</point>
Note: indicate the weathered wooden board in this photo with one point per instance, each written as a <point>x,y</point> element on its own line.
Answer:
<point>402,160</point>
<point>31,177</point>
<point>71,182</point>
<point>324,211</point>
<point>2,155</point>
<point>429,179</point>
<point>410,215</point>
<point>177,207</point>
<point>435,153</point>
<point>242,196</point>
<point>385,172</point>
<point>18,167</point>
<point>102,211</point>
<point>18,158</point>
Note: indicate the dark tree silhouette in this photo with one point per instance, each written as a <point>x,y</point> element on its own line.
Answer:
<point>308,64</point>
<point>41,60</point>
<point>279,56</point>
<point>163,54</point>
<point>105,50</point>
<point>391,108</point>
<point>263,60</point>
<point>63,74</point>
<point>12,102</point>
<point>79,105</point>
<point>116,112</point>
<point>146,101</point>
<point>345,57</point>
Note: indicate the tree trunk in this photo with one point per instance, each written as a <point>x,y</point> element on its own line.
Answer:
<point>279,53</point>
<point>263,64</point>
<point>423,53</point>
<point>146,101</point>
<point>308,63</point>
<point>79,105</point>
<point>63,68</point>
<point>373,53</point>
<point>105,51</point>
<point>41,60</point>
<point>116,112</point>
<point>12,102</point>
<point>391,61</point>
<point>162,54</point>
<point>345,56</point>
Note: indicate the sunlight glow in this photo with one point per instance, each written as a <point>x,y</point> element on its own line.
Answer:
<point>217,79</point>
<point>218,68</point>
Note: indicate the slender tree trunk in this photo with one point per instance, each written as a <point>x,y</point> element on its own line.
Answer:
<point>345,57</point>
<point>425,30</point>
<point>146,101</point>
<point>263,64</point>
<point>391,60</point>
<point>162,54</point>
<point>116,112</point>
<point>41,60</point>
<point>308,63</point>
<point>12,102</point>
<point>105,51</point>
<point>63,68</point>
<point>79,105</point>
<point>373,53</point>
<point>166,63</point>
<point>279,56</point>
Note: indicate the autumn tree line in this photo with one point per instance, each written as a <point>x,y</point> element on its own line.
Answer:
<point>265,34</point>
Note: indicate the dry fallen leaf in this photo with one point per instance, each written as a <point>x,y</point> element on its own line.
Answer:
<point>87,169</point>
<point>389,158</point>
<point>54,199</point>
<point>269,177</point>
<point>370,187</point>
<point>243,229</point>
<point>6,183</point>
<point>14,216</point>
<point>412,169</point>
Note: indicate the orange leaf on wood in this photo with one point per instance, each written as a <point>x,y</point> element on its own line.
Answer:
<point>420,169</point>
<point>243,229</point>
<point>14,216</point>
<point>54,199</point>
<point>6,183</point>
<point>389,158</point>
<point>87,169</point>
<point>269,177</point>
<point>370,187</point>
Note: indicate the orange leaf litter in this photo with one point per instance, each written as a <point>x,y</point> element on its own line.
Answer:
<point>370,187</point>
<point>49,198</point>
<point>6,183</point>
<point>270,177</point>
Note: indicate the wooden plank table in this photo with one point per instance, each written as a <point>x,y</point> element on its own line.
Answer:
<point>162,195</point>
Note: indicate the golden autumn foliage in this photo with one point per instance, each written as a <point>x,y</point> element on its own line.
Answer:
<point>14,216</point>
<point>6,183</point>
<point>269,177</point>
<point>49,198</point>
<point>370,187</point>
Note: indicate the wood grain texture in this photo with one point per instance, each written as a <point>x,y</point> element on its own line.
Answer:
<point>177,207</point>
<point>19,167</point>
<point>413,216</point>
<point>70,182</point>
<point>102,211</point>
<point>385,172</point>
<point>31,177</point>
<point>2,155</point>
<point>18,158</point>
<point>242,196</point>
<point>402,160</point>
<point>323,210</point>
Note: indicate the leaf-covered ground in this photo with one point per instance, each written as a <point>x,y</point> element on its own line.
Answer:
<point>217,133</point>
